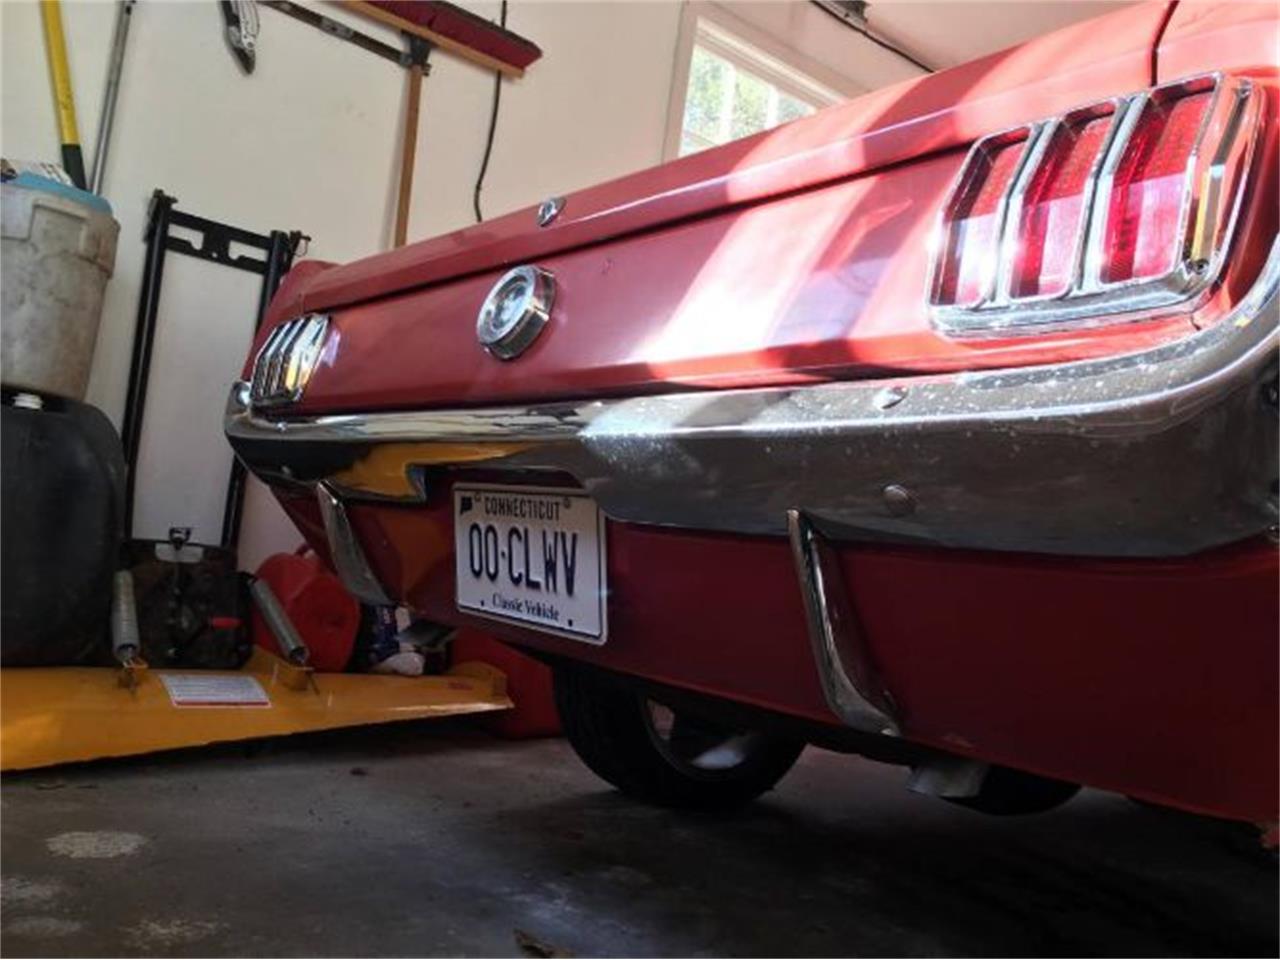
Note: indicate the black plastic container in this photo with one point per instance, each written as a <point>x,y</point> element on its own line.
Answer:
<point>61,513</point>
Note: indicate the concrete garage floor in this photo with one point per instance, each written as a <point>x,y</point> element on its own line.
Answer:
<point>433,839</point>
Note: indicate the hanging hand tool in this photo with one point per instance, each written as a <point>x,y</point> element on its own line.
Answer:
<point>241,18</point>
<point>339,30</point>
<point>55,46</point>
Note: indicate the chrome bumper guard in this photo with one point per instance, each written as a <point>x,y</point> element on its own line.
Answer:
<point>851,682</point>
<point>349,560</point>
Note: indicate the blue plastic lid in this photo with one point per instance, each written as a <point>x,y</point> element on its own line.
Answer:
<point>33,181</point>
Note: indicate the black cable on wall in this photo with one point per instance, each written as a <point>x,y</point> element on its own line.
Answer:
<point>493,125</point>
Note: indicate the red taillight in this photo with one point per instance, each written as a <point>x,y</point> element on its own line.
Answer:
<point>1145,215</point>
<point>971,245</point>
<point>1118,209</point>
<point>1051,225</point>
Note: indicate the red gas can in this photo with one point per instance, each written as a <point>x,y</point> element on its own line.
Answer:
<point>324,614</point>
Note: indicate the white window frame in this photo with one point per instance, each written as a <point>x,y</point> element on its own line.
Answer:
<point>719,31</point>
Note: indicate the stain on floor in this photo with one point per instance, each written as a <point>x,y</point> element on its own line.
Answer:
<point>95,844</point>
<point>454,844</point>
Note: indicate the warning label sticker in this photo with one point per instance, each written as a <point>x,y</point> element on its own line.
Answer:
<point>219,690</point>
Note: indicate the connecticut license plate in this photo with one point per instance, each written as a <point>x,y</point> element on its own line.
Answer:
<point>531,556</point>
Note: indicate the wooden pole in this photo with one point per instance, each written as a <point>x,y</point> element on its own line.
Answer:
<point>408,151</point>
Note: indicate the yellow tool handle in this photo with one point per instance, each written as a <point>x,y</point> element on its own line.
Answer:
<point>55,45</point>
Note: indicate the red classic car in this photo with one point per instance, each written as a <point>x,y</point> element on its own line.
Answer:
<point>940,427</point>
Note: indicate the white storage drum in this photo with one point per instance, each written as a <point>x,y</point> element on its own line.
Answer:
<point>56,255</point>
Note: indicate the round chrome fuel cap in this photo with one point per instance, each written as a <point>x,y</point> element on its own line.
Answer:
<point>515,311</point>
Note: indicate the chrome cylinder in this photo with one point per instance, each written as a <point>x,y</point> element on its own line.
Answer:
<point>282,628</point>
<point>125,642</point>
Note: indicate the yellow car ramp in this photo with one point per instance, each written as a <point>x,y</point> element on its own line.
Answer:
<point>57,715</point>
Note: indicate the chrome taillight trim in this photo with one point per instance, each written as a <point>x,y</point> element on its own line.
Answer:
<point>1100,199</point>
<point>1009,242</point>
<point>1016,205</point>
<point>1182,275</point>
<point>1026,132</point>
<point>1212,188</point>
<point>287,359</point>
<point>261,361</point>
<point>1088,300</point>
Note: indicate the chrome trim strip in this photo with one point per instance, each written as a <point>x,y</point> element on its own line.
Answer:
<point>1181,280</point>
<point>262,362</point>
<point>941,233</point>
<point>301,361</point>
<point>1203,240</point>
<point>275,368</point>
<point>1015,207</point>
<point>287,359</point>
<point>850,682</point>
<point>1009,243</point>
<point>348,556</point>
<point>1245,115</point>
<point>1163,452</point>
<point>1100,203</point>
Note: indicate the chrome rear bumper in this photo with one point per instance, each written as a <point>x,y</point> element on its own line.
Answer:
<point>1159,453</point>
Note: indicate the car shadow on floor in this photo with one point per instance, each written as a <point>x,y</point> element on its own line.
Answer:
<point>892,873</point>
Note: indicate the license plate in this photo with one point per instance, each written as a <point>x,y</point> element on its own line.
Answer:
<point>531,556</point>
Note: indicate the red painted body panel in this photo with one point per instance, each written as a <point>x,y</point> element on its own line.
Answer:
<point>1201,37</point>
<point>1153,678</point>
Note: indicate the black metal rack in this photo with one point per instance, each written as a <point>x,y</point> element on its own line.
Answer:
<point>278,250</point>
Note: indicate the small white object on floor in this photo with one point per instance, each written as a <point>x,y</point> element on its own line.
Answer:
<point>406,663</point>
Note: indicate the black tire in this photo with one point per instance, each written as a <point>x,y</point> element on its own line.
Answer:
<point>612,728</point>
<point>1012,793</point>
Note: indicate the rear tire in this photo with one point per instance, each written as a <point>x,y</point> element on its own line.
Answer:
<point>661,756</point>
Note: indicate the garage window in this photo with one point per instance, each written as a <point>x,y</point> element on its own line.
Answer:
<point>731,88</point>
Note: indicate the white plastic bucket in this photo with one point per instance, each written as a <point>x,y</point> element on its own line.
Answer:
<point>57,251</point>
